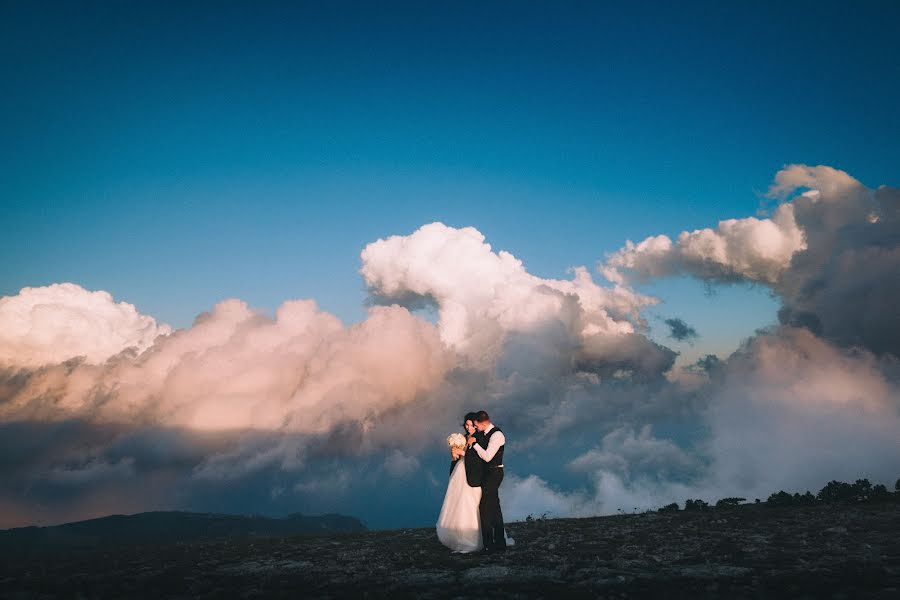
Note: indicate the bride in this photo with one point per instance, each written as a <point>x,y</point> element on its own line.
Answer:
<point>459,525</point>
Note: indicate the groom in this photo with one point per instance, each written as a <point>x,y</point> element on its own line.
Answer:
<point>490,450</point>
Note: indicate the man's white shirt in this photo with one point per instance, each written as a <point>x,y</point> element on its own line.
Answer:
<point>494,444</point>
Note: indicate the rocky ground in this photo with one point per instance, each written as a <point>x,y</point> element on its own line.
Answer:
<point>751,551</point>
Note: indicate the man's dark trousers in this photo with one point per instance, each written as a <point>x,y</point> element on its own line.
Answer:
<point>489,510</point>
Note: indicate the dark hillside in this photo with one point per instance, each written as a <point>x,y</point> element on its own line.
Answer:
<point>836,550</point>
<point>164,528</point>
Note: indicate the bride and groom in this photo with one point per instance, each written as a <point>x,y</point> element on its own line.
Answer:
<point>470,517</point>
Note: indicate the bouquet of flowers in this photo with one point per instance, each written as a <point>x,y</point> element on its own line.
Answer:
<point>456,440</point>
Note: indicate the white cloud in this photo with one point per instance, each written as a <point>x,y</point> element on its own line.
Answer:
<point>792,411</point>
<point>241,396</point>
<point>788,411</point>
<point>626,454</point>
<point>831,254</point>
<point>738,249</point>
<point>48,325</point>
<point>238,369</point>
<point>822,179</point>
<point>483,296</point>
<point>532,496</point>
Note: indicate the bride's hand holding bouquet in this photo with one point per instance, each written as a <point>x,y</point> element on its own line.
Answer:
<point>457,443</point>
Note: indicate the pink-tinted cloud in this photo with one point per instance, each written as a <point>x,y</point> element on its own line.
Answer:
<point>48,325</point>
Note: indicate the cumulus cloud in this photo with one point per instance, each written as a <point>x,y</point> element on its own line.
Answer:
<point>627,453</point>
<point>242,393</point>
<point>236,368</point>
<point>814,399</point>
<point>820,180</point>
<point>532,496</point>
<point>102,410</point>
<point>831,253</point>
<point>790,410</point>
<point>628,471</point>
<point>787,411</point>
<point>737,250</point>
<point>264,388</point>
<point>845,285</point>
<point>483,296</point>
<point>48,325</point>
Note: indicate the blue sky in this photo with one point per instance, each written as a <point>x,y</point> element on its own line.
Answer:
<point>179,155</point>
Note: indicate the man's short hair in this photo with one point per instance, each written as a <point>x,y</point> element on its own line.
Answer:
<point>482,416</point>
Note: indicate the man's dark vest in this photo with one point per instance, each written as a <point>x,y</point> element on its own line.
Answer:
<point>498,458</point>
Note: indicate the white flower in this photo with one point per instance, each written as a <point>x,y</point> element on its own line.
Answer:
<point>456,440</point>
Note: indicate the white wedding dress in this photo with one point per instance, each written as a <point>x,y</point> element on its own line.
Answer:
<point>459,526</point>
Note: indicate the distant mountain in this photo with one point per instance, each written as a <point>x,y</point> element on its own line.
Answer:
<point>169,527</point>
